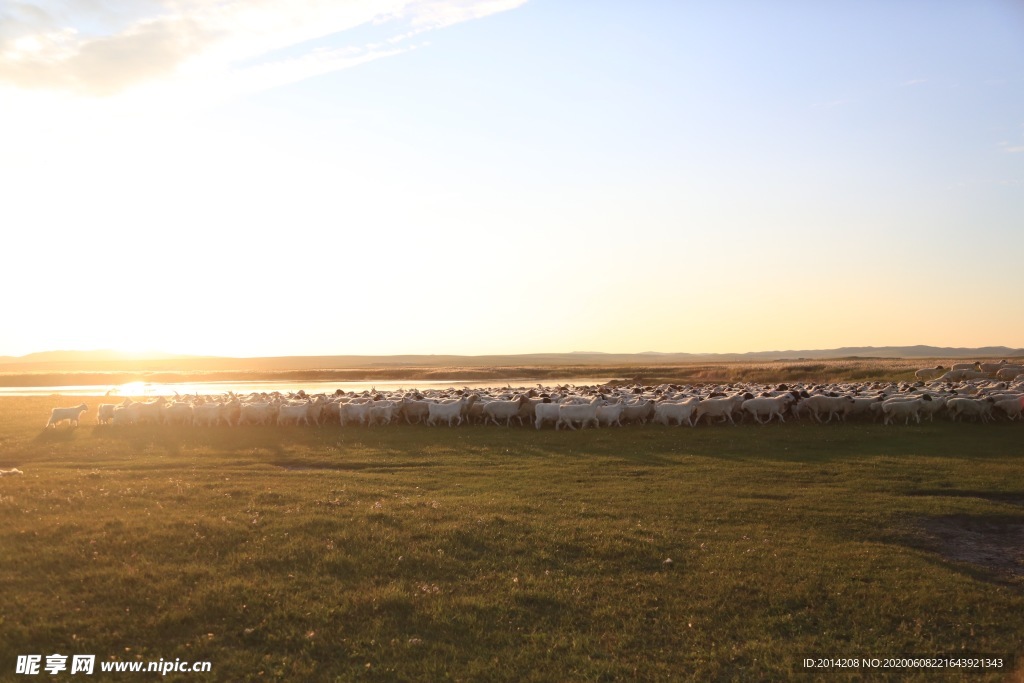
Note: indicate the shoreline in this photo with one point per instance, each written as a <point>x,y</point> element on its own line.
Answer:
<point>106,379</point>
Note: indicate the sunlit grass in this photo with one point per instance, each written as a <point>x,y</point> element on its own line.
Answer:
<point>410,553</point>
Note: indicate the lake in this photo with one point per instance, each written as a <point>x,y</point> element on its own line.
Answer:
<point>310,387</point>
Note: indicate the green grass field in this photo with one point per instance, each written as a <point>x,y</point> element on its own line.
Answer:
<point>485,553</point>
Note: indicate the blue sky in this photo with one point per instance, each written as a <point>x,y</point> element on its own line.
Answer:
<point>512,177</point>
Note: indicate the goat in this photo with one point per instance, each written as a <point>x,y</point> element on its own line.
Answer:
<point>504,410</point>
<point>585,413</point>
<point>58,415</point>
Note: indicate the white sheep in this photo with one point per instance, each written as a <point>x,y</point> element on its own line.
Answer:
<point>355,412</point>
<point>670,412</point>
<point>545,412</point>
<point>571,413</point>
<point>450,411</point>
<point>528,410</point>
<point>315,409</point>
<point>611,414</point>
<point>770,406</point>
<point>58,415</point>
<point>641,411</point>
<point>178,412</point>
<point>993,368</point>
<point>257,413</point>
<point>1011,406</point>
<point>414,410</point>
<point>150,412</point>
<point>105,413</point>
<point>862,405</point>
<point>1010,372</point>
<point>955,375</point>
<point>833,405</point>
<point>231,412</point>
<point>973,374</point>
<point>207,414</point>
<point>904,407</point>
<point>928,374</point>
<point>722,408</point>
<point>298,412</point>
<point>122,416</point>
<point>980,409</point>
<point>930,408</point>
<point>503,410</point>
<point>381,412</point>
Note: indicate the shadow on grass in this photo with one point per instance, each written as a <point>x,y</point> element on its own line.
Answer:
<point>306,464</point>
<point>647,445</point>
<point>987,548</point>
<point>802,442</point>
<point>172,440</point>
<point>59,435</point>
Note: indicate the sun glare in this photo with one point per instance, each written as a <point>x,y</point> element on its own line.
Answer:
<point>130,389</point>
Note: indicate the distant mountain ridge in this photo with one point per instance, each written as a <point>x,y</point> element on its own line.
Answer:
<point>917,351</point>
<point>107,360</point>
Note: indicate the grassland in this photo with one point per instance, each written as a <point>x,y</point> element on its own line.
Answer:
<point>411,553</point>
<point>797,370</point>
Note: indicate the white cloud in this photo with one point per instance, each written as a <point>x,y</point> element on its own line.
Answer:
<point>440,13</point>
<point>101,49</point>
<point>1010,147</point>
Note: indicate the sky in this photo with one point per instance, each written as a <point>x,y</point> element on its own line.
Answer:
<point>316,177</point>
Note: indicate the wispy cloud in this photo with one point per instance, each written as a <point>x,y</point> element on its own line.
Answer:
<point>831,104</point>
<point>913,82</point>
<point>101,49</point>
<point>1010,147</point>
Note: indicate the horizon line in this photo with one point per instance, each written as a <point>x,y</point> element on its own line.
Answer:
<point>164,355</point>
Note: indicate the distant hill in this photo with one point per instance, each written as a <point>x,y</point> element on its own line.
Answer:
<point>112,361</point>
<point>919,351</point>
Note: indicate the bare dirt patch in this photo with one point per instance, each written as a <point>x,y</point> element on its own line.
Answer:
<point>992,543</point>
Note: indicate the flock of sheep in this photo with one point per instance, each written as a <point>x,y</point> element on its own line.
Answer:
<point>976,391</point>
